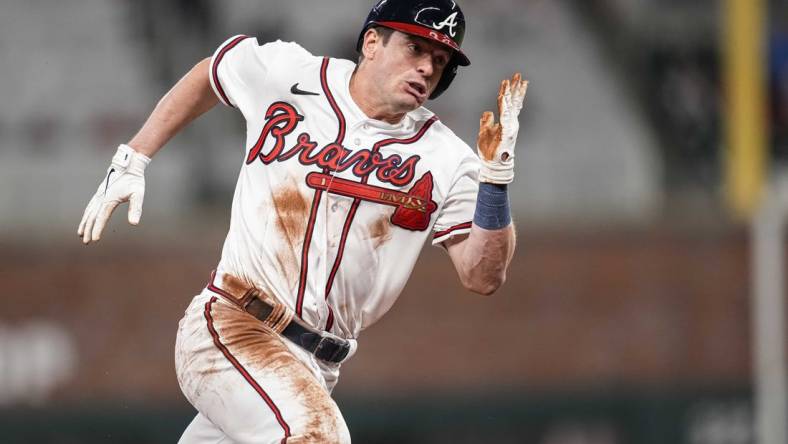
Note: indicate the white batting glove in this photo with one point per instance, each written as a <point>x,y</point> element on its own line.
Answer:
<point>125,181</point>
<point>496,140</point>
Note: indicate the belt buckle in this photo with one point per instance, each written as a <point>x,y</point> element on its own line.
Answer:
<point>323,352</point>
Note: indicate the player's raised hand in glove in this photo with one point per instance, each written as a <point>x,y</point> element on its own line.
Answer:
<point>125,181</point>
<point>496,140</point>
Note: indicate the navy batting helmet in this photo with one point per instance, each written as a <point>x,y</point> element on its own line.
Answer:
<point>439,20</point>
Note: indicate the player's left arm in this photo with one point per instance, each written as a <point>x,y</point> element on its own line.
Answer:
<point>482,258</point>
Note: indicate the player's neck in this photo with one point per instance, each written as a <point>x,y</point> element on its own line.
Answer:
<point>364,94</point>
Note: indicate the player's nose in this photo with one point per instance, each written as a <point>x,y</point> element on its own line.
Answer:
<point>425,66</point>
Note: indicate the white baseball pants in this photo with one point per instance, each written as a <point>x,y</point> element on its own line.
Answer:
<point>249,384</point>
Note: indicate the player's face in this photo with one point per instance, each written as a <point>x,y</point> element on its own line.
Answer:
<point>409,68</point>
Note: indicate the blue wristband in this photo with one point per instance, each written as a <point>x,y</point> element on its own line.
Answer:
<point>492,207</point>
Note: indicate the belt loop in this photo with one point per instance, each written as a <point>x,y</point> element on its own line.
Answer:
<point>248,297</point>
<point>279,318</point>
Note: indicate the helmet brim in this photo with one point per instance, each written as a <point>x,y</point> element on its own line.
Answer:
<point>430,34</point>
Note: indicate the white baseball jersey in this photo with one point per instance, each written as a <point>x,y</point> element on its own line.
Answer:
<point>332,207</point>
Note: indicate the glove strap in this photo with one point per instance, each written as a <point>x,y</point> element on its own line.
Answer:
<point>126,159</point>
<point>497,172</point>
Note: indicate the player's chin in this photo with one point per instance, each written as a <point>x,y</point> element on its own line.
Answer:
<point>412,100</point>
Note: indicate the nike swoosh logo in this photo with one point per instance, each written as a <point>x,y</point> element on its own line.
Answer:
<point>294,89</point>
<point>111,170</point>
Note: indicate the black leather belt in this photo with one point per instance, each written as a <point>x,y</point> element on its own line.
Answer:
<point>323,346</point>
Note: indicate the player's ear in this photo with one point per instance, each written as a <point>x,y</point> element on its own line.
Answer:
<point>370,44</point>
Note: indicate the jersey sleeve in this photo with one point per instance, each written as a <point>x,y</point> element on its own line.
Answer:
<point>230,68</point>
<point>240,66</point>
<point>456,216</point>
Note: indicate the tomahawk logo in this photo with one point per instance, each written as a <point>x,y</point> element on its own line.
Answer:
<point>451,22</point>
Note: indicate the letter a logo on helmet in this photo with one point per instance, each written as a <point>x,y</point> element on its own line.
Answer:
<point>450,22</point>
<point>438,20</point>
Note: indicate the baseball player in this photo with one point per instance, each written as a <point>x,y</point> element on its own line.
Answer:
<point>344,177</point>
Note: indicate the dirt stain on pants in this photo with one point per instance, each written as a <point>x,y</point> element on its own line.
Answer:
<point>222,352</point>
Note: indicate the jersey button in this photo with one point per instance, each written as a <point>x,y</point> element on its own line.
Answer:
<point>357,141</point>
<point>366,126</point>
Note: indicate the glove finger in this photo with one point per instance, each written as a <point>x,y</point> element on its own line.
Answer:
<point>102,216</point>
<point>85,214</point>
<point>486,120</point>
<point>135,207</point>
<point>502,92</point>
<point>514,87</point>
<point>519,97</point>
<point>516,78</point>
<point>89,222</point>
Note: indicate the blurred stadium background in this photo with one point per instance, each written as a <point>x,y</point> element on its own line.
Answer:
<point>627,314</point>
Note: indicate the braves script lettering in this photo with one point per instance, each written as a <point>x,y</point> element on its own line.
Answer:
<point>282,119</point>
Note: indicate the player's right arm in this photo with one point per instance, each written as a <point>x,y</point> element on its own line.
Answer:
<point>191,97</point>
